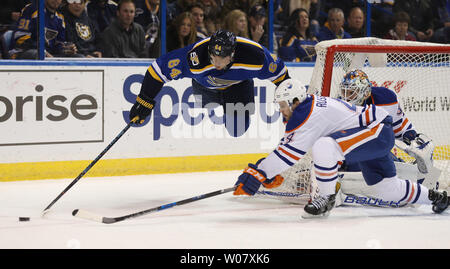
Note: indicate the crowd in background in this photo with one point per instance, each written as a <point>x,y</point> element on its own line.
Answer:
<point>131,28</point>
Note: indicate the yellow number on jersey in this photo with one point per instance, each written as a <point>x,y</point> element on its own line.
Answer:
<point>173,63</point>
<point>175,72</point>
<point>272,67</point>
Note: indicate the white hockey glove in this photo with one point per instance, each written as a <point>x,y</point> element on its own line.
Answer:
<point>421,148</point>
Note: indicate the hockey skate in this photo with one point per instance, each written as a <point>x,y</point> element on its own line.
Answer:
<point>319,207</point>
<point>439,200</point>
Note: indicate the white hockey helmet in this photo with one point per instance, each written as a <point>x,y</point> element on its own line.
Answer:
<point>355,87</point>
<point>289,90</point>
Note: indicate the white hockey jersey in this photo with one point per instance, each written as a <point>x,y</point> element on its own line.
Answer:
<point>319,116</point>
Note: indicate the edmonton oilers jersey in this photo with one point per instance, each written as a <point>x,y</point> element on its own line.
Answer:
<point>386,98</point>
<point>320,116</point>
<point>251,60</point>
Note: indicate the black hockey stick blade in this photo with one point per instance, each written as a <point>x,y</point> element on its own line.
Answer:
<point>87,168</point>
<point>94,217</point>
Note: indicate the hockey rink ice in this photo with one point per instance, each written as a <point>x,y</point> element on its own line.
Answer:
<point>223,221</point>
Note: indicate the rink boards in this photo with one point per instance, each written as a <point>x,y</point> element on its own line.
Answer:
<point>57,116</point>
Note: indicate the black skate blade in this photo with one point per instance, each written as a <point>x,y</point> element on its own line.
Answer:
<point>306,215</point>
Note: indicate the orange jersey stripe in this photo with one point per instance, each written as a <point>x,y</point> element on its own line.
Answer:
<point>325,174</point>
<point>289,154</point>
<point>367,116</point>
<point>348,143</point>
<point>401,127</point>
<point>412,193</point>
<point>388,104</point>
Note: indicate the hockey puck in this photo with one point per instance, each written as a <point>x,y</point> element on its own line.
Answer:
<point>24,219</point>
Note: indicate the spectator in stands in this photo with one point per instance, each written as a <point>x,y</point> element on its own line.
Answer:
<point>355,23</point>
<point>212,11</point>
<point>177,7</point>
<point>145,10</point>
<point>298,43</point>
<point>421,14</point>
<point>124,38</point>
<point>381,17</point>
<point>311,6</point>
<point>147,15</point>
<point>80,30</point>
<point>101,12</point>
<point>198,14</point>
<point>153,37</point>
<point>344,5</point>
<point>442,21</point>
<point>256,21</point>
<point>25,36</point>
<point>333,28</point>
<point>236,22</point>
<point>10,12</point>
<point>400,30</point>
<point>244,5</point>
<point>182,32</point>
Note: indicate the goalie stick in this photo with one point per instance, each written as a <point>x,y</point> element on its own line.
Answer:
<point>94,217</point>
<point>87,168</point>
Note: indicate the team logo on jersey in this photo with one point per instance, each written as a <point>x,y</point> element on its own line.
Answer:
<point>83,31</point>
<point>194,59</point>
<point>50,34</point>
<point>218,82</point>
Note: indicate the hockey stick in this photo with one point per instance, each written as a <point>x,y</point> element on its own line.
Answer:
<point>90,216</point>
<point>87,168</point>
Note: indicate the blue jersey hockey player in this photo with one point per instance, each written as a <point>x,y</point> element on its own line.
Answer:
<point>335,130</point>
<point>222,69</point>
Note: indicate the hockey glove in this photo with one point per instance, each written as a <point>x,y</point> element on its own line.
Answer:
<point>141,109</point>
<point>409,136</point>
<point>274,182</point>
<point>421,148</point>
<point>250,180</point>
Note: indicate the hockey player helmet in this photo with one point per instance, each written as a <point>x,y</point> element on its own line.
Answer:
<point>290,91</point>
<point>355,87</point>
<point>222,43</point>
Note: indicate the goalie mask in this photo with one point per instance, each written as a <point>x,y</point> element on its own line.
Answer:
<point>290,90</point>
<point>355,87</point>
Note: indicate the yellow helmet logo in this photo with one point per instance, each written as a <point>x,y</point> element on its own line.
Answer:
<point>218,48</point>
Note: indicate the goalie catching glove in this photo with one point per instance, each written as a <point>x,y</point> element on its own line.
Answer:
<point>421,148</point>
<point>141,109</point>
<point>251,179</point>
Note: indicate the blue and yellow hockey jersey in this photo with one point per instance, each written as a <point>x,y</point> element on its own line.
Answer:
<point>251,60</point>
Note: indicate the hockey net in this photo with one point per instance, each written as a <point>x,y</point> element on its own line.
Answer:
<point>418,72</point>
<point>299,185</point>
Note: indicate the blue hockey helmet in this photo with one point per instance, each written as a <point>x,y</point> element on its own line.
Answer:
<point>222,43</point>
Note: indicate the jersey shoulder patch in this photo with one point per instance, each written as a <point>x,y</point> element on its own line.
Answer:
<point>197,57</point>
<point>382,96</point>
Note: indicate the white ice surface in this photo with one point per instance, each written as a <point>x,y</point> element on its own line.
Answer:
<point>223,221</point>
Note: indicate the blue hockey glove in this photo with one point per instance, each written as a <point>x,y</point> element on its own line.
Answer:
<point>141,109</point>
<point>250,180</point>
<point>409,136</point>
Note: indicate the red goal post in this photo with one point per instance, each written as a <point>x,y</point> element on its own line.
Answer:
<point>418,72</point>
